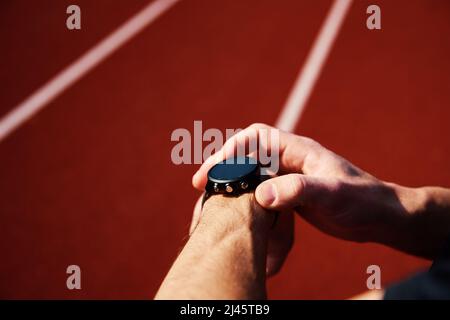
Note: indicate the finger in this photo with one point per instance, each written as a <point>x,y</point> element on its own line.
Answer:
<point>234,145</point>
<point>196,214</point>
<point>292,190</point>
<point>281,239</point>
<point>296,153</point>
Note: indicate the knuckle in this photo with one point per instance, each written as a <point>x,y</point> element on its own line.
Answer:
<point>311,143</point>
<point>307,140</point>
<point>296,185</point>
<point>259,125</point>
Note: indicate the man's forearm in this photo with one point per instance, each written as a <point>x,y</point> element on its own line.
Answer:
<point>225,256</point>
<point>422,224</point>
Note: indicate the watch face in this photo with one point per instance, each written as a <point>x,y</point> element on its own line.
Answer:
<point>233,169</point>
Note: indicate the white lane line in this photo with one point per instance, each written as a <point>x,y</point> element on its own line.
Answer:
<point>72,73</point>
<point>304,84</point>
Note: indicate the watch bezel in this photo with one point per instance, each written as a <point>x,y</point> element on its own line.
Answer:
<point>250,180</point>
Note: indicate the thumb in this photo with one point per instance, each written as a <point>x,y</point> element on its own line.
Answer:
<point>290,191</point>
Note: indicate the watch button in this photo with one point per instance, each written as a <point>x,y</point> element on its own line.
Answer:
<point>244,185</point>
<point>228,188</point>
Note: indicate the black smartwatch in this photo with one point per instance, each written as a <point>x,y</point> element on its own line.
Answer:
<point>233,177</point>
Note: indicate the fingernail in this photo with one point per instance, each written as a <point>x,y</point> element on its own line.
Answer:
<point>267,193</point>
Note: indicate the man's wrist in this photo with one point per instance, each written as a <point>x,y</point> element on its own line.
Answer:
<point>420,222</point>
<point>235,213</point>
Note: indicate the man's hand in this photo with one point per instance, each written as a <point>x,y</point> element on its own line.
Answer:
<point>343,200</point>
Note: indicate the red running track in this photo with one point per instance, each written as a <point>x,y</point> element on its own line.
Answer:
<point>89,180</point>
